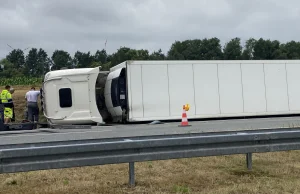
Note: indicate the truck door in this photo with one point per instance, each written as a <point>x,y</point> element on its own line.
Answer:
<point>58,106</point>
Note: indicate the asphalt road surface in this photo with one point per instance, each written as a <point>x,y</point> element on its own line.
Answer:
<point>131,130</point>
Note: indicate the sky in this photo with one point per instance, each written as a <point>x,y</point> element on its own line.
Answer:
<point>77,25</point>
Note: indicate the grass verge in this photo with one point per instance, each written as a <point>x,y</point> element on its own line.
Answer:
<point>272,173</point>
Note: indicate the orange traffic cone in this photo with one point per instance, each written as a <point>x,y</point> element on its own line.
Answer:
<point>184,119</point>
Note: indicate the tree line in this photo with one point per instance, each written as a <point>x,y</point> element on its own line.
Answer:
<point>37,62</point>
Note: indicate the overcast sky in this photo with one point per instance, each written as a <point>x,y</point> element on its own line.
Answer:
<point>74,25</point>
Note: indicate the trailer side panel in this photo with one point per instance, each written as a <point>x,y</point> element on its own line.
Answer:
<point>157,90</point>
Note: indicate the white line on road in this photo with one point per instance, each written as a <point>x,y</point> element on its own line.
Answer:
<point>59,133</point>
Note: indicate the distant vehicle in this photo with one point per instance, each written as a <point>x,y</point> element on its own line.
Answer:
<point>156,90</point>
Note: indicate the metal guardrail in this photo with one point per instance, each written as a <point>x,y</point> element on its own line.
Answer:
<point>55,155</point>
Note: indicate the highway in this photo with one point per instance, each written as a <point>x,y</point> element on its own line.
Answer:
<point>130,130</point>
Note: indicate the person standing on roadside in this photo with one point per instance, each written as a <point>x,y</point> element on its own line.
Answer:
<point>6,100</point>
<point>12,91</point>
<point>32,105</point>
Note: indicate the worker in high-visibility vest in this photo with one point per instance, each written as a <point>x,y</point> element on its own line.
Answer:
<point>6,99</point>
<point>12,91</point>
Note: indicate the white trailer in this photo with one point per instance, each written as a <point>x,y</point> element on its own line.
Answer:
<point>157,90</point>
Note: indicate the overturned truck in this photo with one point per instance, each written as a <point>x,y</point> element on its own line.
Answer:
<point>136,91</point>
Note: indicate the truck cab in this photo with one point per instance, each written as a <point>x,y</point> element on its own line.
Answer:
<point>75,96</point>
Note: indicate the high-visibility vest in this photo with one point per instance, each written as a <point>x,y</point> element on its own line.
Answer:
<point>6,98</point>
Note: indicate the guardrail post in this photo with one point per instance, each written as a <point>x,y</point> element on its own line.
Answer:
<point>249,161</point>
<point>131,174</point>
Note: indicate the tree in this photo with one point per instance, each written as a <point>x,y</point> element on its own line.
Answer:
<point>206,49</point>
<point>101,56</point>
<point>61,59</point>
<point>31,63</point>
<point>176,51</point>
<point>43,62</point>
<point>281,52</point>
<point>9,70</point>
<point>291,50</point>
<point>249,49</point>
<point>120,56</point>
<point>193,49</point>
<point>186,50</point>
<point>138,54</point>
<point>125,53</point>
<point>157,55</point>
<point>83,60</point>
<point>266,49</point>
<point>16,57</point>
<point>211,49</point>
<point>36,63</point>
<point>233,49</point>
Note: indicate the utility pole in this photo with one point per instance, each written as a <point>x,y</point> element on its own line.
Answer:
<point>105,51</point>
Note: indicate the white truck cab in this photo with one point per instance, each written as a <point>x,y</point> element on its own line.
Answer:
<point>70,96</point>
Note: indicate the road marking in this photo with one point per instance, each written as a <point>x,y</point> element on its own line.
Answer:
<point>47,134</point>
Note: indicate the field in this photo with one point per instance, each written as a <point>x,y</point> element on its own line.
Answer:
<point>272,173</point>
<point>20,81</point>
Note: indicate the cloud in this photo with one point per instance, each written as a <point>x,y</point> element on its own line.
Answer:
<point>74,25</point>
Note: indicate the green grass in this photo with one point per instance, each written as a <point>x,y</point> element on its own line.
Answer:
<point>20,81</point>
